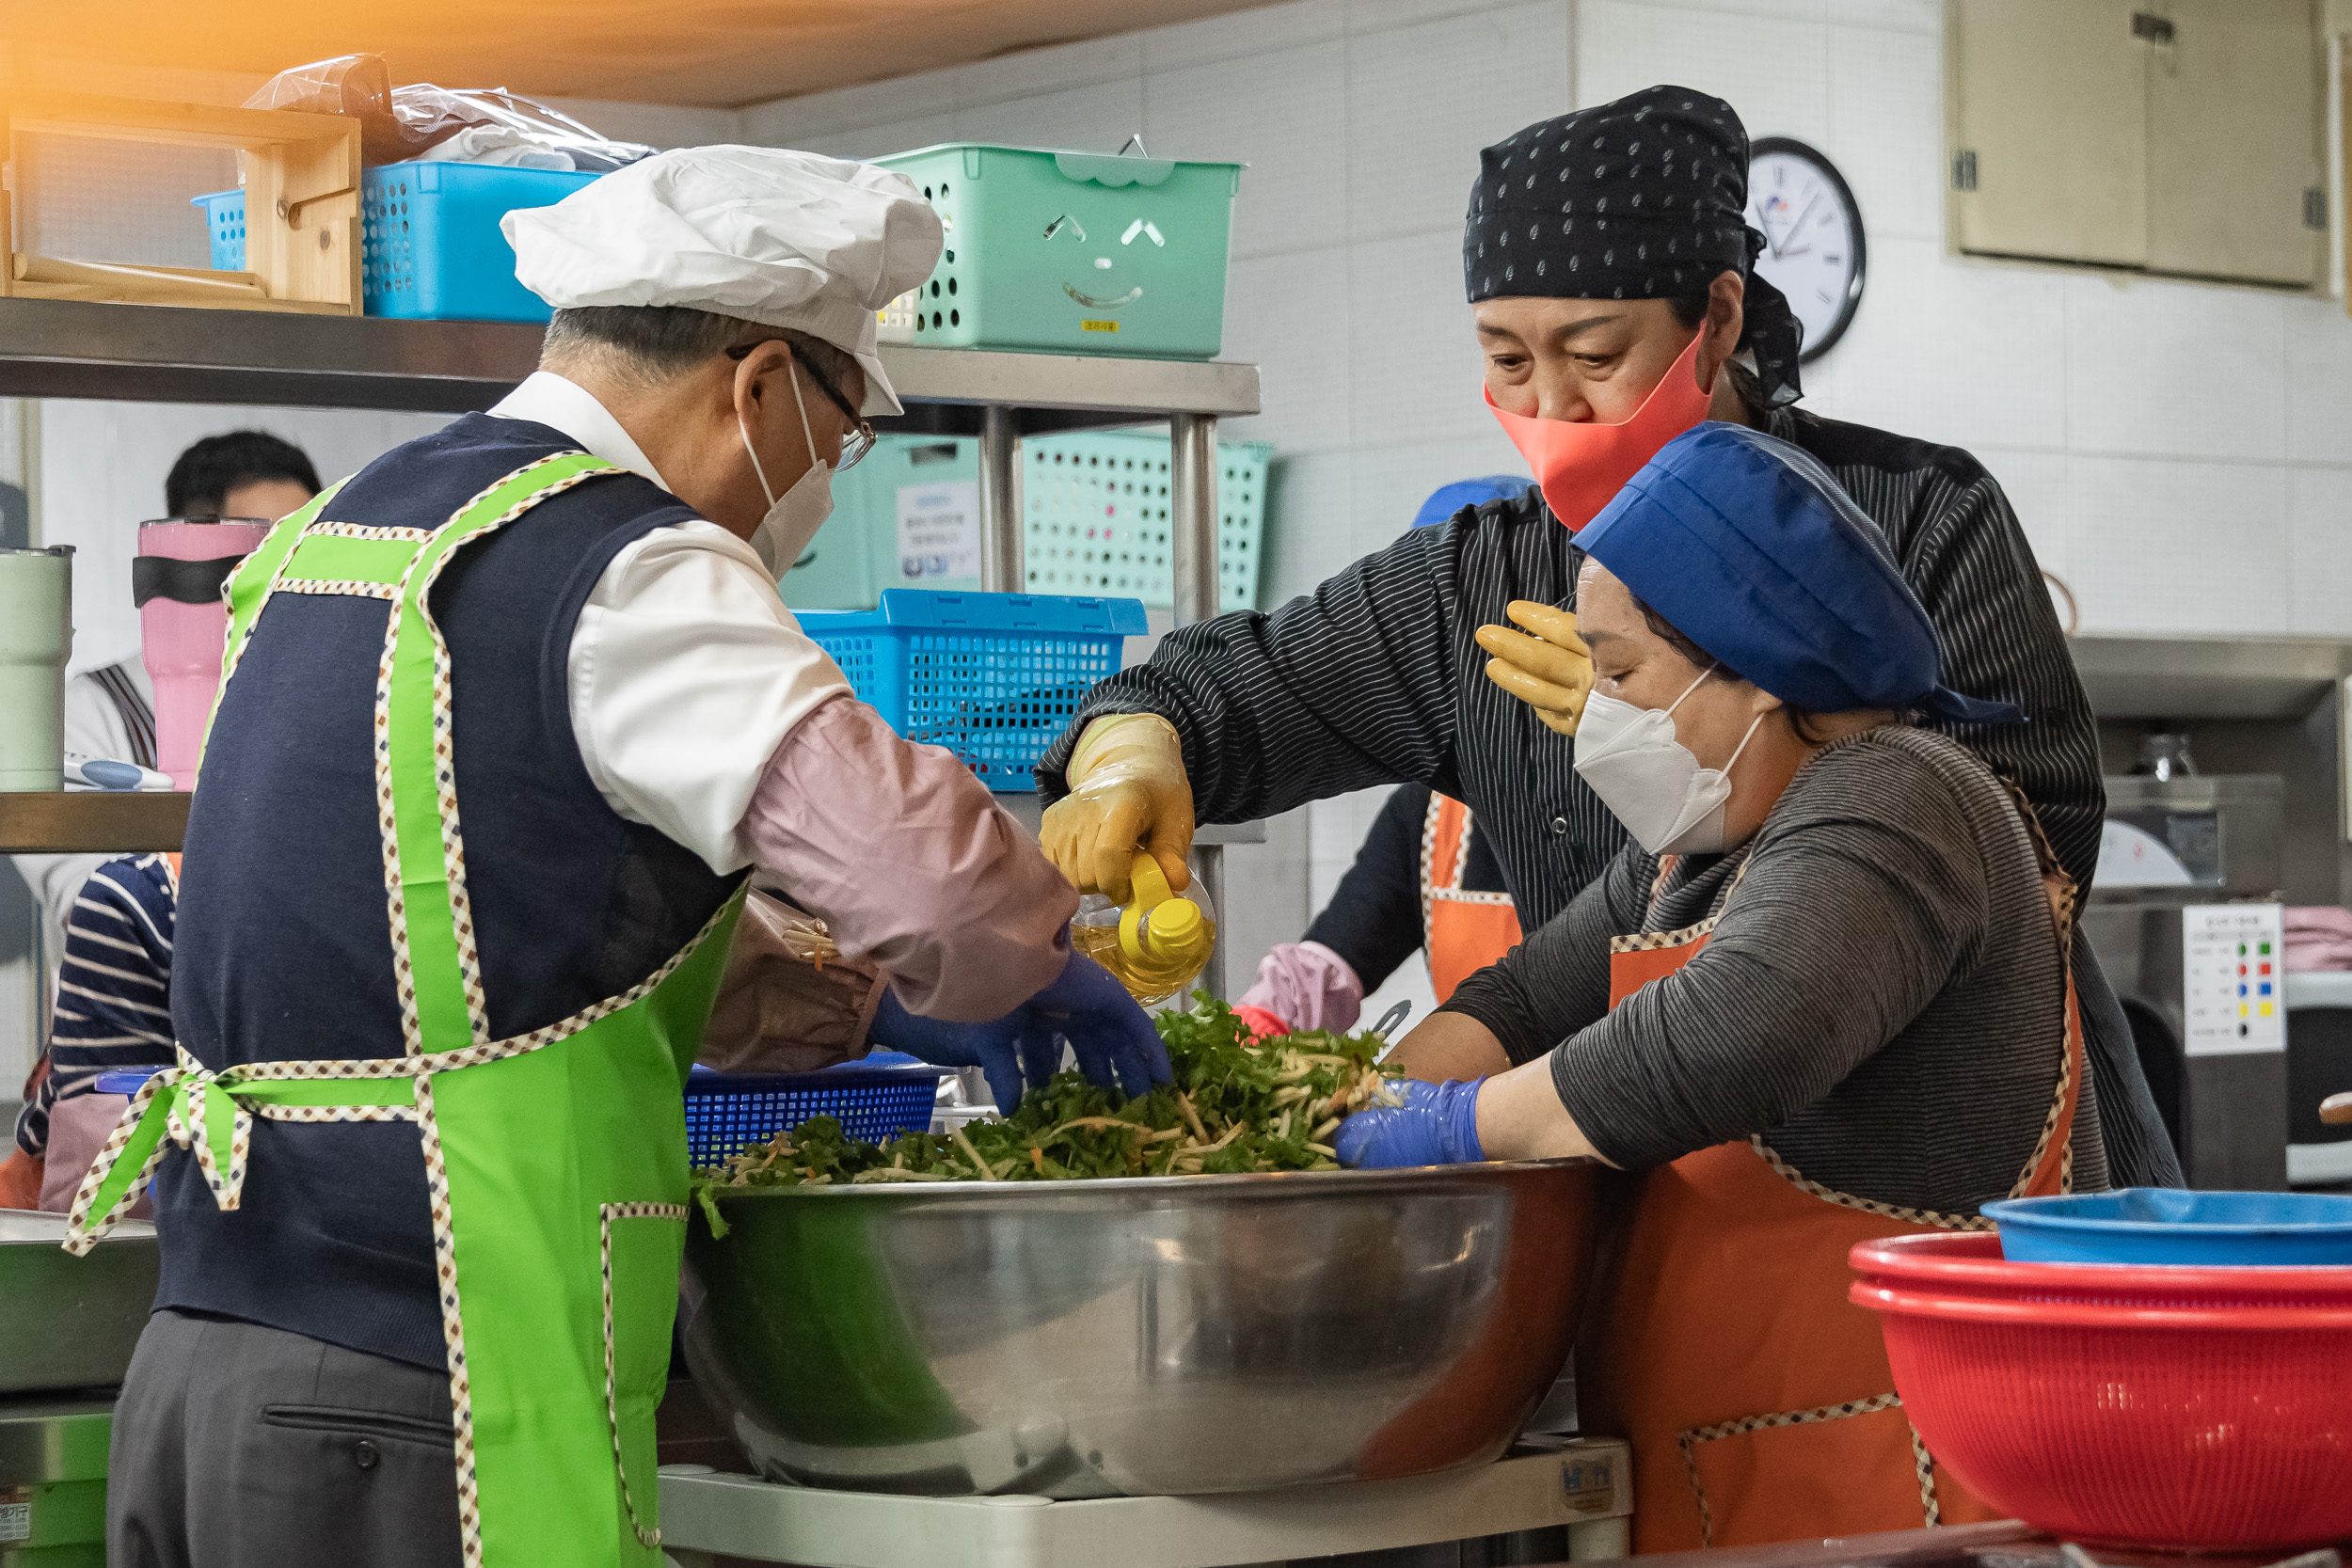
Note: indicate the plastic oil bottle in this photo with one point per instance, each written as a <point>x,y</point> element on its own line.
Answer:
<point>1157,943</point>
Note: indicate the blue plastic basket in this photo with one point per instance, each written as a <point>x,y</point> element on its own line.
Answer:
<point>993,677</point>
<point>2160,1225</point>
<point>728,1111</point>
<point>430,248</point>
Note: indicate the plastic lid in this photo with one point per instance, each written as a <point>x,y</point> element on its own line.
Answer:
<point>1175,929</point>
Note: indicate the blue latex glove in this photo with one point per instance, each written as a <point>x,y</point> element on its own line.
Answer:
<point>1109,1033</point>
<point>994,1047</point>
<point>1438,1125</point>
<point>1114,1041</point>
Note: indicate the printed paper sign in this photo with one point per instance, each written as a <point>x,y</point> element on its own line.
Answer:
<point>939,530</point>
<point>2233,978</point>
<point>16,1516</point>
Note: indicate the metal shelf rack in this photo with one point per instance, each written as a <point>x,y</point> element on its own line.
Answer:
<point>159,354</point>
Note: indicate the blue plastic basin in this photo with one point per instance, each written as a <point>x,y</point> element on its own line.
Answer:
<point>2158,1225</point>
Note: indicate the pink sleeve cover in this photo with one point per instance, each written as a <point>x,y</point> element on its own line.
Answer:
<point>1307,985</point>
<point>910,864</point>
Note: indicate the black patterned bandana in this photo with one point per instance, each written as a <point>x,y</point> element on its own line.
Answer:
<point>1643,199</point>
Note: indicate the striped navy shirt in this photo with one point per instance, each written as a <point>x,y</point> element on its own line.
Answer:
<point>114,989</point>
<point>1375,678</point>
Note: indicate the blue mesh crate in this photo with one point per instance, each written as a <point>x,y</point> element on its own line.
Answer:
<point>728,1111</point>
<point>993,677</point>
<point>430,244</point>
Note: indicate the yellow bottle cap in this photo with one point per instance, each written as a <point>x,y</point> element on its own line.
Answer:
<point>1176,930</point>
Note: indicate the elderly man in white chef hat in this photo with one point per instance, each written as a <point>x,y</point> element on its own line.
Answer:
<point>511,715</point>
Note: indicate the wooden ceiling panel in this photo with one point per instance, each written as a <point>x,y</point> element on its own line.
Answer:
<point>716,54</point>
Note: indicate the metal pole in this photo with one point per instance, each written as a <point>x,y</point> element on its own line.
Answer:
<point>1000,504</point>
<point>1192,513</point>
<point>1208,874</point>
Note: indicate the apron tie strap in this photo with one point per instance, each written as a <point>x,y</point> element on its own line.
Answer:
<point>211,1115</point>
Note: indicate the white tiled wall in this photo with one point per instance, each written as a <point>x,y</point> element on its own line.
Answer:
<point>2182,454</point>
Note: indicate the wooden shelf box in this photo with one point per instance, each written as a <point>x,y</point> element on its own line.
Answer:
<point>302,206</point>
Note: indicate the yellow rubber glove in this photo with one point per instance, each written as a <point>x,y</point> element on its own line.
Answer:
<point>1127,790</point>
<point>1551,671</point>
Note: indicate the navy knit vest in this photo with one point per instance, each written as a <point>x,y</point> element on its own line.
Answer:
<point>284,947</point>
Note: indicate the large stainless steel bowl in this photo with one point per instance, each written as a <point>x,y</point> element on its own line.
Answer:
<point>1145,1336</point>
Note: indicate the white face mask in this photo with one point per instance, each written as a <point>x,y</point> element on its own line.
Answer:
<point>1649,779</point>
<point>793,517</point>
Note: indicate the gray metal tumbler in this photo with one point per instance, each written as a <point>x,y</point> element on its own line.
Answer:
<point>36,640</point>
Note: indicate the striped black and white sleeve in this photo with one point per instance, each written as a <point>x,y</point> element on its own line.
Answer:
<point>1351,686</point>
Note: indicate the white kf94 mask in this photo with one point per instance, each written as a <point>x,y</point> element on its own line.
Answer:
<point>1651,780</point>
<point>792,518</point>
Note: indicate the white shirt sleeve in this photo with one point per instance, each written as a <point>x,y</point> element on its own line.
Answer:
<point>686,674</point>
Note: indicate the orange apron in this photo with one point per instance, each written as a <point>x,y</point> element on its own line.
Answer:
<point>1461,931</point>
<point>1721,1342</point>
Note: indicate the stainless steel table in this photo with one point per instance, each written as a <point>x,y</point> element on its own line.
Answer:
<point>1586,1486</point>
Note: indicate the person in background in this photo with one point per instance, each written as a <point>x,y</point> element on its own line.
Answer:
<point>1822,997</point>
<point>1608,270</point>
<point>1424,878</point>
<point>113,1012</point>
<point>110,711</point>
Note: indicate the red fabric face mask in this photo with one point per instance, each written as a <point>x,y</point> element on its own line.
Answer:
<point>1582,465</point>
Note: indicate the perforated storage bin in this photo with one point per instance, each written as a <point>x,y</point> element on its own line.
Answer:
<point>993,677</point>
<point>1057,251</point>
<point>430,247</point>
<point>1094,509</point>
<point>728,1111</point>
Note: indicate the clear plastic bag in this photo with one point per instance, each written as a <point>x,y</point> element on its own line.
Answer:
<point>430,116</point>
<point>356,86</point>
<point>422,121</point>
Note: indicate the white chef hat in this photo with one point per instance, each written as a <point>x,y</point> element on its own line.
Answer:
<point>785,239</point>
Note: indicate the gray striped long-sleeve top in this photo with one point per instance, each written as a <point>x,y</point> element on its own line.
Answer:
<point>1882,1001</point>
<point>1375,678</point>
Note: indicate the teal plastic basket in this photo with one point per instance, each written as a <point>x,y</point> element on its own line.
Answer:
<point>1094,508</point>
<point>430,244</point>
<point>993,677</point>
<point>1070,252</point>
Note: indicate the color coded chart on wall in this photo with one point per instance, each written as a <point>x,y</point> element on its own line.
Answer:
<point>2233,978</point>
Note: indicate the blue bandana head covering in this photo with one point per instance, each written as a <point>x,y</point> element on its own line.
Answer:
<point>1748,547</point>
<point>1446,500</point>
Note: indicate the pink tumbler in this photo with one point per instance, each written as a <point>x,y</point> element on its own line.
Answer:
<point>177,579</point>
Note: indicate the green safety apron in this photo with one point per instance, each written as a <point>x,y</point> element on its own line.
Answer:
<point>555,1161</point>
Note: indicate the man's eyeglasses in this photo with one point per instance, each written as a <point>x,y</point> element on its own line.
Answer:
<point>859,440</point>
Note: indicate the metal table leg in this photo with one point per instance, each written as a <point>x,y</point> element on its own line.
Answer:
<point>1192,509</point>
<point>1001,566</point>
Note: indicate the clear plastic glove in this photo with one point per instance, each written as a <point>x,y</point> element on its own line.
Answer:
<point>1551,671</point>
<point>880,1059</point>
<point>1127,788</point>
<point>1438,1125</point>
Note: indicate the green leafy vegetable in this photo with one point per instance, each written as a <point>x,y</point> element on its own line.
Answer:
<point>1238,1104</point>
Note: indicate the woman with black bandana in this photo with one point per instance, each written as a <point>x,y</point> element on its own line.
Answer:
<point>1612,291</point>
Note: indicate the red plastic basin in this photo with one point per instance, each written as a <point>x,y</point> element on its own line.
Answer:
<point>2171,1407</point>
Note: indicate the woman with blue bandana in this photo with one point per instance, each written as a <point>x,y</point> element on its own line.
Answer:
<point>1822,997</point>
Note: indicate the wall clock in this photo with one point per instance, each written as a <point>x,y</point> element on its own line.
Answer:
<point>1813,242</point>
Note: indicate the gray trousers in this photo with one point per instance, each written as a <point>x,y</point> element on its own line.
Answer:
<point>237,1446</point>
